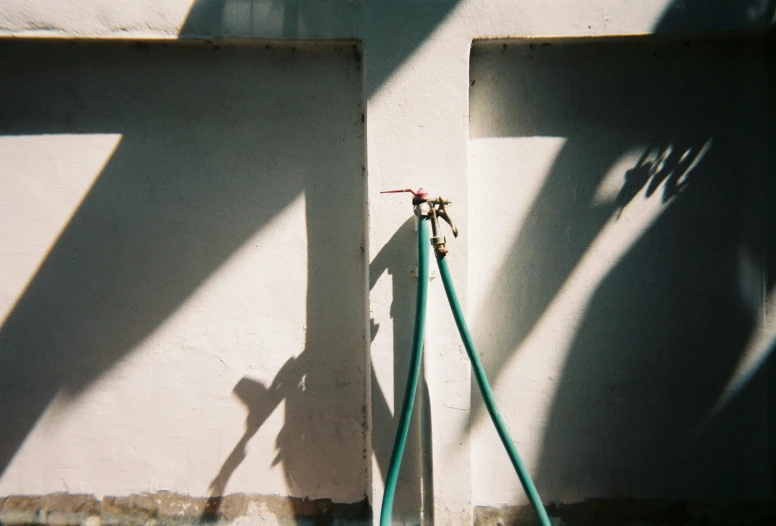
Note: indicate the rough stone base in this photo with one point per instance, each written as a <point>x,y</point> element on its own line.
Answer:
<point>633,512</point>
<point>165,508</point>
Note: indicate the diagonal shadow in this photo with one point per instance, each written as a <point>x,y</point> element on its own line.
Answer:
<point>666,327</point>
<point>176,199</point>
<point>261,401</point>
<point>206,159</point>
<point>392,30</point>
<point>562,222</point>
<point>655,348</point>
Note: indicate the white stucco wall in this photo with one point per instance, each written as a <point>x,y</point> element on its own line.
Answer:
<point>415,86</point>
<point>614,304</point>
<point>179,223</point>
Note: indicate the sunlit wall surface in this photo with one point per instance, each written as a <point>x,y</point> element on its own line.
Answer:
<point>183,271</point>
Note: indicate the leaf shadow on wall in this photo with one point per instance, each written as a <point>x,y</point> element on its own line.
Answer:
<point>216,141</point>
<point>665,329</point>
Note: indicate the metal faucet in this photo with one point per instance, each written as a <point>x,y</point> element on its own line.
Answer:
<point>433,209</point>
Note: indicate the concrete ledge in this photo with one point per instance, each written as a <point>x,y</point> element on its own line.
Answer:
<point>634,512</point>
<point>166,508</point>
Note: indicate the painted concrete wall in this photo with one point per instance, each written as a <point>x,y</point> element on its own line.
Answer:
<point>184,283</point>
<point>417,67</point>
<point>619,278</point>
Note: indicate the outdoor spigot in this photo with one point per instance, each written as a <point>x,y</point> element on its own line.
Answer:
<point>442,212</point>
<point>433,209</point>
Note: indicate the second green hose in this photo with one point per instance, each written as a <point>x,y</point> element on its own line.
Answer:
<point>487,395</point>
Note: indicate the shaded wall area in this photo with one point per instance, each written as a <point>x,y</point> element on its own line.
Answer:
<point>631,284</point>
<point>220,248</point>
<point>375,22</point>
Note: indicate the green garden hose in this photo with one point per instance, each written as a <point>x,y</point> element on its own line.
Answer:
<point>487,395</point>
<point>414,374</point>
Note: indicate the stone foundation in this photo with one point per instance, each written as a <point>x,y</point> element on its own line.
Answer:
<point>633,512</point>
<point>165,508</point>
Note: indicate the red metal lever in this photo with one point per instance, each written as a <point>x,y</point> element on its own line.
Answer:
<point>420,193</point>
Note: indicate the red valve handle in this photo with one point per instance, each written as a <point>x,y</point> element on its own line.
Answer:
<point>420,193</point>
